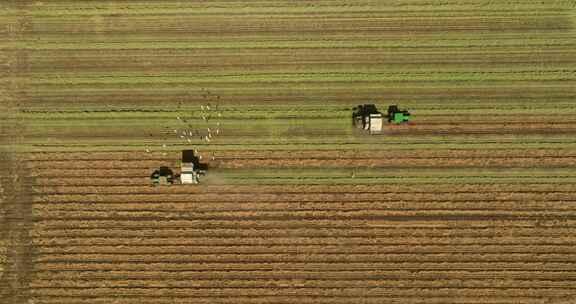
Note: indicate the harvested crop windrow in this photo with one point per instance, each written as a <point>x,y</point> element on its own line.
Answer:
<point>471,202</point>
<point>278,299</point>
<point>377,232</point>
<point>51,160</point>
<point>101,197</point>
<point>383,190</point>
<point>325,249</point>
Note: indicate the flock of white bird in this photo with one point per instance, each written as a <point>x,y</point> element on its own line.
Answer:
<point>191,130</point>
<point>211,130</point>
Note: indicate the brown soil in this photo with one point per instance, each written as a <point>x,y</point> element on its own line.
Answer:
<point>86,227</point>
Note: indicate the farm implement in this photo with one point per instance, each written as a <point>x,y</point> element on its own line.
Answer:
<point>190,171</point>
<point>368,117</point>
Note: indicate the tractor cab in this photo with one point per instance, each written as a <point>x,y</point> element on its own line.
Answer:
<point>163,176</point>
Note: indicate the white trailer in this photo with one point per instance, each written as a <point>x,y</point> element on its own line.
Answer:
<point>367,117</point>
<point>190,168</point>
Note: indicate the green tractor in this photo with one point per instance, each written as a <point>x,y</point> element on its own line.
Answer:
<point>397,116</point>
<point>162,177</point>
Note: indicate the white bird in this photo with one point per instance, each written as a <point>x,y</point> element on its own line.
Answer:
<point>202,107</point>
<point>209,130</point>
<point>178,117</point>
<point>189,140</point>
<point>208,108</point>
<point>148,150</point>
<point>163,145</point>
<point>217,131</point>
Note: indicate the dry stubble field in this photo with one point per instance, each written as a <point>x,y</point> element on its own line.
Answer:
<point>472,203</point>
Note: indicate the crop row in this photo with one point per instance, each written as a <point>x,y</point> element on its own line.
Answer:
<point>124,168</point>
<point>304,249</point>
<point>505,275</point>
<point>305,258</point>
<point>282,299</point>
<point>207,240</point>
<point>192,196</point>
<point>427,222</point>
<point>337,232</point>
<point>56,160</point>
<point>214,208</point>
<point>381,189</point>
<point>384,282</point>
<point>422,291</point>
<point>306,266</point>
<point>423,61</point>
<point>310,93</point>
<point>451,8</point>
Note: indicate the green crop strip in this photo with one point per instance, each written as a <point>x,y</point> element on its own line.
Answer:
<point>462,44</point>
<point>384,175</point>
<point>64,8</point>
<point>562,75</point>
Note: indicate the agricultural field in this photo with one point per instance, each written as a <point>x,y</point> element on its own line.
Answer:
<point>472,202</point>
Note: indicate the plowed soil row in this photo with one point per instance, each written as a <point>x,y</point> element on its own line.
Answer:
<point>289,258</point>
<point>291,299</point>
<point>39,160</point>
<point>377,189</point>
<point>328,198</point>
<point>301,232</point>
<point>336,276</point>
<point>296,240</point>
<point>310,223</point>
<point>130,168</point>
<point>314,283</point>
<point>499,190</point>
<point>287,291</point>
<point>503,249</point>
<point>299,207</point>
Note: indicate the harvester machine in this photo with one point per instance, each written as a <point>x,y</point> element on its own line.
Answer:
<point>191,168</point>
<point>368,117</point>
<point>190,171</point>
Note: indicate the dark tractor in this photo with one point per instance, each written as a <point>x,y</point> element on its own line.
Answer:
<point>162,176</point>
